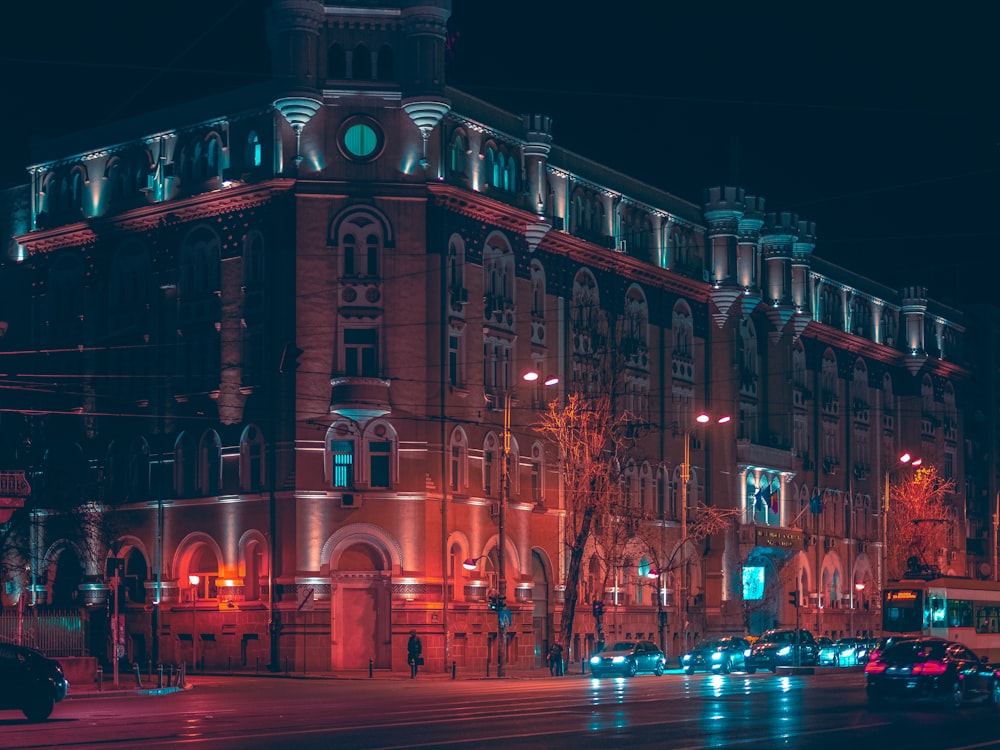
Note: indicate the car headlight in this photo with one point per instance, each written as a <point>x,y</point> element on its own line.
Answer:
<point>784,651</point>
<point>595,659</point>
<point>716,656</point>
<point>686,657</point>
<point>618,659</point>
<point>747,653</point>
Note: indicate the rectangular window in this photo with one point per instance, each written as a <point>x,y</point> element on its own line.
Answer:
<point>536,481</point>
<point>361,352</point>
<point>343,463</point>
<point>379,452</point>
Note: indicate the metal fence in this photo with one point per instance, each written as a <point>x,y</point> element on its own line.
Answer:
<point>54,633</point>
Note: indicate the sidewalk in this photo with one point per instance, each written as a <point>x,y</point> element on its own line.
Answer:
<point>127,684</point>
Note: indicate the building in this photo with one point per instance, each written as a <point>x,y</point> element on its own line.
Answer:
<point>265,344</point>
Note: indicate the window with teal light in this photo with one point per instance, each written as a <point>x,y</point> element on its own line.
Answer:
<point>343,462</point>
<point>361,140</point>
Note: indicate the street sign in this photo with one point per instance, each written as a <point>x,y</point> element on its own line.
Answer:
<point>504,618</point>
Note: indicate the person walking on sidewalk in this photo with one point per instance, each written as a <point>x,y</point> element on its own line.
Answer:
<point>413,649</point>
<point>556,660</point>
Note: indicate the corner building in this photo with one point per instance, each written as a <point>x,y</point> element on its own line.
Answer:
<point>298,312</point>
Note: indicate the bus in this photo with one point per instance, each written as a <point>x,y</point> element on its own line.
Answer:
<point>959,609</point>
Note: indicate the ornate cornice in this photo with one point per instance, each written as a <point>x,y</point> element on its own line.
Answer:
<point>214,203</point>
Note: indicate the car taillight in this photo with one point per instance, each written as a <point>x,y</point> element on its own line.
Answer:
<point>929,667</point>
<point>875,667</point>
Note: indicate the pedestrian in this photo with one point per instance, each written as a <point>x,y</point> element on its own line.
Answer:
<point>556,660</point>
<point>413,650</point>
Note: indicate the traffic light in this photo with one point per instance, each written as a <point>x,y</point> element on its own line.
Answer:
<point>598,608</point>
<point>793,598</point>
<point>497,603</point>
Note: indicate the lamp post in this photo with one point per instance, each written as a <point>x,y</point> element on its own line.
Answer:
<point>661,614</point>
<point>503,614</point>
<point>906,460</point>
<point>702,419</point>
<point>194,581</point>
<point>859,586</point>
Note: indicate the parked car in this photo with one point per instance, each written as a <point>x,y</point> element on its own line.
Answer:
<point>844,652</point>
<point>780,647</point>
<point>931,669</point>
<point>30,682</point>
<point>716,655</point>
<point>628,658</point>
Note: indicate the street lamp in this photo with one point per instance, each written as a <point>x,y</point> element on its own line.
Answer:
<point>194,580</point>
<point>905,460</point>
<point>503,615</point>
<point>859,586</point>
<point>702,419</point>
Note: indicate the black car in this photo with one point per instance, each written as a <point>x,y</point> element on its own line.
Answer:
<point>627,658</point>
<point>716,655</point>
<point>931,669</point>
<point>782,648</point>
<point>30,682</point>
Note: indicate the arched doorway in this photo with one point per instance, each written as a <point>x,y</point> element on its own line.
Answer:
<point>361,616</point>
<point>542,620</point>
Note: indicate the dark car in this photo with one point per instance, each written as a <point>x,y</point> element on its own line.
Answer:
<point>931,669</point>
<point>716,655</point>
<point>844,652</point>
<point>781,648</point>
<point>30,682</point>
<point>628,658</point>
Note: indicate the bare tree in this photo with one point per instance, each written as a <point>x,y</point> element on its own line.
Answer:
<point>589,440</point>
<point>919,522</point>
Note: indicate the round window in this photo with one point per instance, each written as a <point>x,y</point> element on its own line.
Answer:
<point>361,139</point>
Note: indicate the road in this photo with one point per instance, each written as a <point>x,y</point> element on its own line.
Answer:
<point>673,711</point>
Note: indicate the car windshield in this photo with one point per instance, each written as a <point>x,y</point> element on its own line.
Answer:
<point>715,644</point>
<point>782,636</point>
<point>909,652</point>
<point>623,646</point>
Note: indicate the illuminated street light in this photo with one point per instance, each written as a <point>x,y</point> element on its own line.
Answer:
<point>702,419</point>
<point>501,601</point>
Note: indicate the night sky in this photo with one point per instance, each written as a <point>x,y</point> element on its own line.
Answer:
<point>881,125</point>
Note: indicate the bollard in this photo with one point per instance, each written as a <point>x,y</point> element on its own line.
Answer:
<point>100,679</point>
<point>583,666</point>
<point>172,680</point>
<point>138,678</point>
<point>150,670</point>
<point>453,670</point>
<point>286,665</point>
<point>371,668</point>
<point>159,675</point>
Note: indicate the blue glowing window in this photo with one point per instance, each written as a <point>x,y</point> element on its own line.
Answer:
<point>361,140</point>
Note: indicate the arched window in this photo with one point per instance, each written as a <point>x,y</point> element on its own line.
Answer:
<point>138,470</point>
<point>210,463</point>
<point>537,473</point>
<point>254,157</point>
<point>458,475</point>
<point>251,459</point>
<point>457,150</point>
<point>185,464</point>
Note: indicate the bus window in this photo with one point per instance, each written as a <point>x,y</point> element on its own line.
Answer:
<point>936,609</point>
<point>959,613</point>
<point>902,611</point>
<point>988,619</point>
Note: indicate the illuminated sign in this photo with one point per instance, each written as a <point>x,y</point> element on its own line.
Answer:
<point>779,538</point>
<point>903,598</point>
